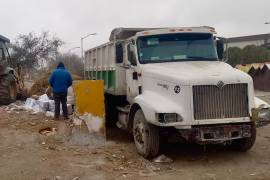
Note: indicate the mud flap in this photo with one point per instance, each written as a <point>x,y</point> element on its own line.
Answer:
<point>89,113</point>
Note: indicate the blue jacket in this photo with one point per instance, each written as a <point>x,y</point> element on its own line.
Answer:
<point>60,79</point>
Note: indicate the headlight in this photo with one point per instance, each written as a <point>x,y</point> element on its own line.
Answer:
<point>261,116</point>
<point>168,117</point>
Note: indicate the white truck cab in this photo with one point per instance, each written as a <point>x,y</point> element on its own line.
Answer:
<point>173,80</point>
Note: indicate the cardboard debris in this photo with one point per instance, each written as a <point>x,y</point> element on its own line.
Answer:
<point>45,105</point>
<point>162,159</point>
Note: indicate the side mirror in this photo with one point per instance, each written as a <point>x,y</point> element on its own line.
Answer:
<point>131,55</point>
<point>119,53</point>
<point>220,49</point>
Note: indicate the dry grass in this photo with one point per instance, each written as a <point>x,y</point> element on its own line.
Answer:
<point>39,87</point>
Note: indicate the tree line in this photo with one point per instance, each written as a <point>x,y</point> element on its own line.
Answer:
<point>38,51</point>
<point>249,54</point>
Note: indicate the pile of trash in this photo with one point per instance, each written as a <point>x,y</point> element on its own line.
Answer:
<point>43,104</point>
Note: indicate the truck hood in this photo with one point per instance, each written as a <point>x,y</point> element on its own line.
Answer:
<point>195,72</point>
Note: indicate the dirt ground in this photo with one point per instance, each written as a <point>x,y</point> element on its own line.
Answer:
<point>26,154</point>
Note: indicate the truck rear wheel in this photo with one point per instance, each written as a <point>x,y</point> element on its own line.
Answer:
<point>245,144</point>
<point>8,89</point>
<point>146,136</point>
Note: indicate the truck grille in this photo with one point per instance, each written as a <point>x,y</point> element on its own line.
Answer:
<point>213,102</point>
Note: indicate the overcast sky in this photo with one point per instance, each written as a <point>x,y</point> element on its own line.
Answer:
<point>71,19</point>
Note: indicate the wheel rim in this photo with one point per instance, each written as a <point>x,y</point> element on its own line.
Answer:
<point>139,133</point>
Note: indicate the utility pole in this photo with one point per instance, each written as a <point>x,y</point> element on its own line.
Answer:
<point>82,52</point>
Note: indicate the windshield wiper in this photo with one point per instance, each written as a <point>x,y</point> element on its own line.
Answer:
<point>197,57</point>
<point>200,58</point>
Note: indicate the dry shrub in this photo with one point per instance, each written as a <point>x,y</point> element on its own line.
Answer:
<point>40,86</point>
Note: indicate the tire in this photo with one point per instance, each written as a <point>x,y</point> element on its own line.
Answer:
<point>146,136</point>
<point>8,89</point>
<point>245,144</point>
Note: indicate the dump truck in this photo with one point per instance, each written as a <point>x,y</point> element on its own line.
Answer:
<point>11,84</point>
<point>163,83</point>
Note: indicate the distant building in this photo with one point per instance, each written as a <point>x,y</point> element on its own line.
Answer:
<point>241,42</point>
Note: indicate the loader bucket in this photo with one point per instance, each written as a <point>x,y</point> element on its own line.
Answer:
<point>89,107</point>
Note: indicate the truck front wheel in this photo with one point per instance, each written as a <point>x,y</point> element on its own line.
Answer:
<point>146,136</point>
<point>245,144</point>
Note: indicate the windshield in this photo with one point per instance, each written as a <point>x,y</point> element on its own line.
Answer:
<point>176,47</point>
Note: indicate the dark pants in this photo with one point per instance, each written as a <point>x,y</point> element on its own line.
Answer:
<point>60,98</point>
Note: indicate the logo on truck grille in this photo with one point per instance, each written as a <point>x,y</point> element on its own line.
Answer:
<point>177,89</point>
<point>220,84</point>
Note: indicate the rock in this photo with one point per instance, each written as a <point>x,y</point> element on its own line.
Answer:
<point>48,131</point>
<point>51,148</point>
<point>49,114</point>
<point>34,113</point>
<point>76,178</point>
<point>146,173</point>
<point>33,124</point>
<point>162,159</point>
<point>94,152</point>
<point>209,176</point>
<point>153,168</point>
<point>57,177</point>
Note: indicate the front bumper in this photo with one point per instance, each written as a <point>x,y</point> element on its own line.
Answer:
<point>217,133</point>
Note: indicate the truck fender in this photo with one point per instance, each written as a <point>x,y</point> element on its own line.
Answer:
<point>152,103</point>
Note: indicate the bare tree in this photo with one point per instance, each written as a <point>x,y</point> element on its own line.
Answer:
<point>33,51</point>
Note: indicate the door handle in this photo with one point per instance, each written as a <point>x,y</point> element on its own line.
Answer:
<point>126,66</point>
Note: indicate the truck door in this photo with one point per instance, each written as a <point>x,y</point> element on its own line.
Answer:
<point>132,73</point>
